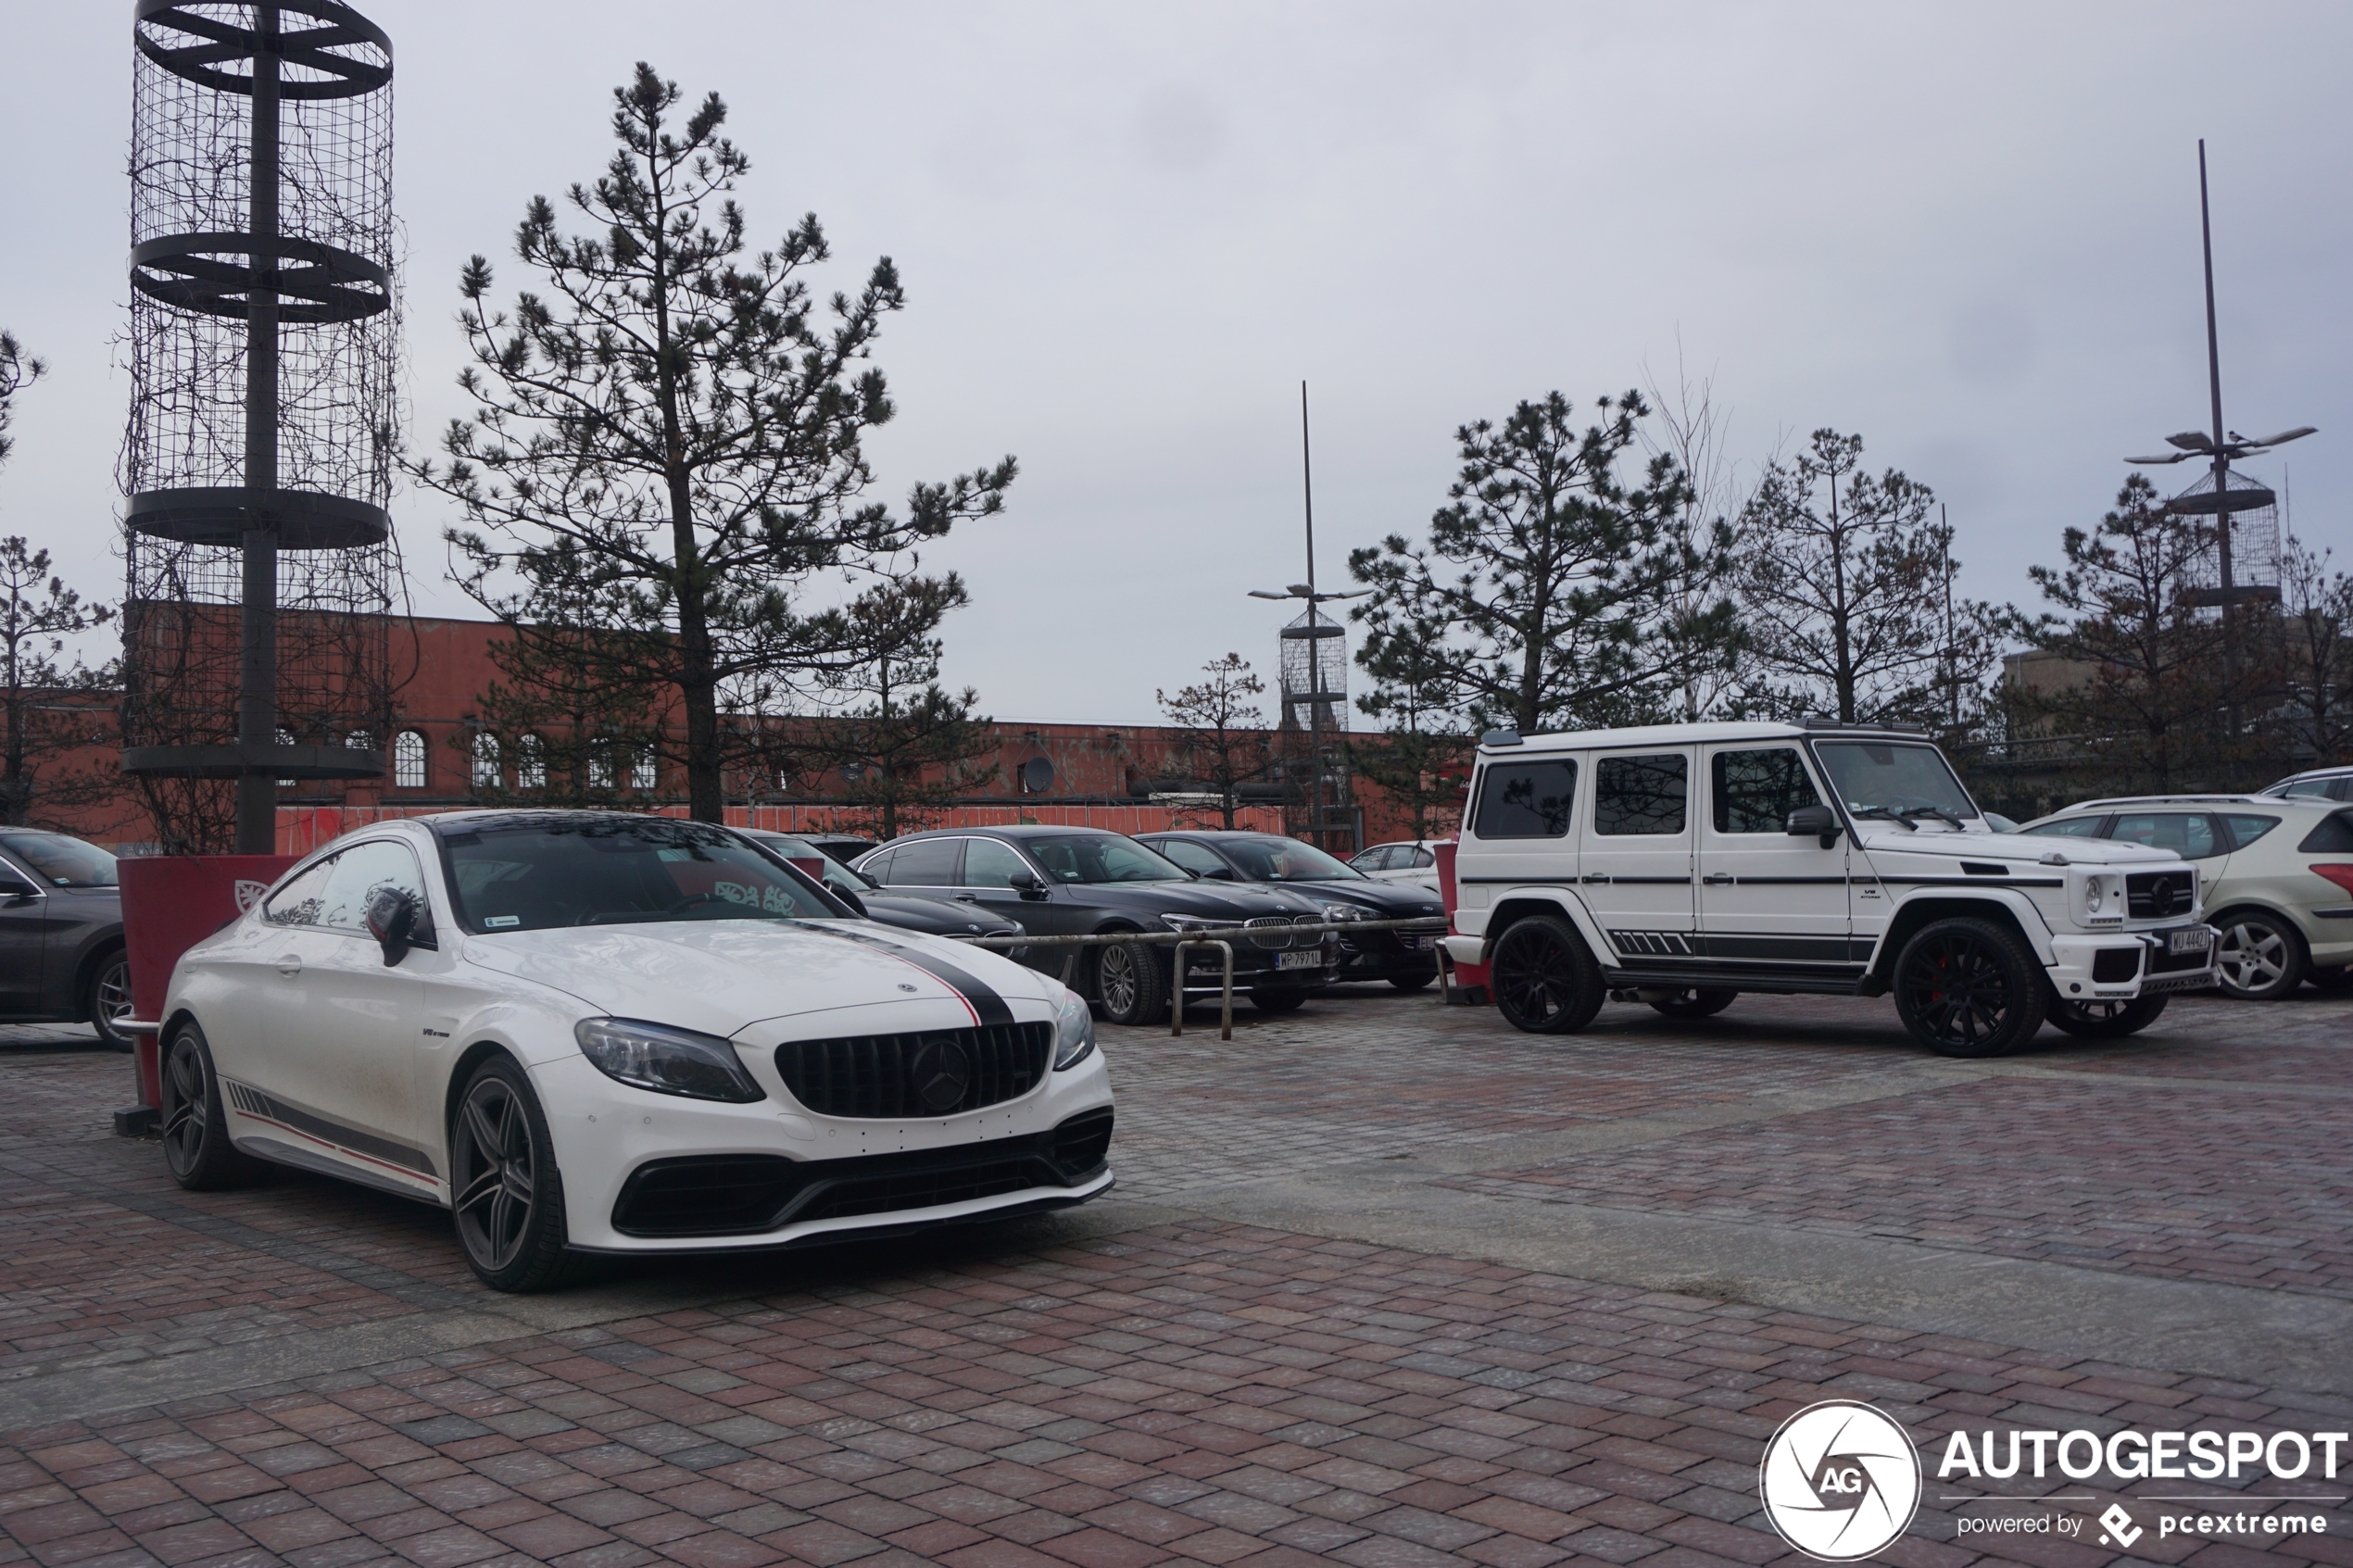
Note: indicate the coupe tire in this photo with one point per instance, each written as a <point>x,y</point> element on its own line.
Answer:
<point>1545,980</point>
<point>195,1130</point>
<point>1130,985</point>
<point>106,1000</point>
<point>507,1197</point>
<point>2106,1021</point>
<point>1969,988</point>
<point>1273,999</point>
<point>2260,958</point>
<point>1697,1002</point>
<point>1412,981</point>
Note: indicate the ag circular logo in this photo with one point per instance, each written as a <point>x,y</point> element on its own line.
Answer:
<point>1840,1480</point>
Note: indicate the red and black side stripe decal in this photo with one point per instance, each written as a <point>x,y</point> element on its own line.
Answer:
<point>988,1006</point>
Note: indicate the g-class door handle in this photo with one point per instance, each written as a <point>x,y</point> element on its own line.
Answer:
<point>1594,877</point>
<point>1714,878</point>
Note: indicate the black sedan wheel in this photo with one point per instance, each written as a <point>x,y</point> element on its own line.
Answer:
<point>106,1000</point>
<point>196,1131</point>
<point>2259,959</point>
<point>1967,987</point>
<point>1129,985</point>
<point>1698,1001</point>
<point>508,1197</point>
<point>1412,982</point>
<point>1545,980</point>
<point>2106,1021</point>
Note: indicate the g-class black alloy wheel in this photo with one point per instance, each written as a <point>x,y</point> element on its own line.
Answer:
<point>1545,981</point>
<point>1968,987</point>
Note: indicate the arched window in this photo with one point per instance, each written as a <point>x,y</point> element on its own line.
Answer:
<point>408,761</point>
<point>531,762</point>
<point>600,767</point>
<point>645,773</point>
<point>485,774</point>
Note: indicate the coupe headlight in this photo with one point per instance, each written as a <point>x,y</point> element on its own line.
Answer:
<point>1074,1032</point>
<point>667,1061</point>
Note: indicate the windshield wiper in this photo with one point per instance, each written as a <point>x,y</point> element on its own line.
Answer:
<point>1939,812</point>
<point>1885,814</point>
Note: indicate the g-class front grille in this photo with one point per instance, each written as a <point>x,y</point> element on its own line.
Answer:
<point>928,1072</point>
<point>2159,895</point>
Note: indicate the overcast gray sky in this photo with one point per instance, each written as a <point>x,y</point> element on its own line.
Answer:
<point>1127,233</point>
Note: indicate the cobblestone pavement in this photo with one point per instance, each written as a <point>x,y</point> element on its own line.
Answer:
<point>306,1374</point>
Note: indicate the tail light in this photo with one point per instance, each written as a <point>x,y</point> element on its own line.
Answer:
<point>2337,872</point>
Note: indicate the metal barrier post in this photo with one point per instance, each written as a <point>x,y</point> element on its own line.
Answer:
<point>1177,987</point>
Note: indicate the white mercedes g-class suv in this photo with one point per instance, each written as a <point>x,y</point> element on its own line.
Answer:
<point>1682,864</point>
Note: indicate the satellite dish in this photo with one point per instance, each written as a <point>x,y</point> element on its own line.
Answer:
<point>1037,775</point>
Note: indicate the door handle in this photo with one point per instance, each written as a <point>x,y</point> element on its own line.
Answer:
<point>1717,878</point>
<point>1594,877</point>
<point>290,965</point>
<point>967,898</point>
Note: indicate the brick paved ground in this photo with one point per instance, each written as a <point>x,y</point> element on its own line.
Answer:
<point>1184,1389</point>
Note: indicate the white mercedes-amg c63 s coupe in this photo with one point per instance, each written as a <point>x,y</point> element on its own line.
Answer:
<point>587,1032</point>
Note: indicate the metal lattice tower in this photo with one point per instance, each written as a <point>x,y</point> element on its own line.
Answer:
<point>2238,556</point>
<point>1314,649</point>
<point>257,461</point>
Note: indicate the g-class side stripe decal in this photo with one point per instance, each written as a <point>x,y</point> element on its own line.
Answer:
<point>986,1007</point>
<point>1745,946</point>
<point>252,1102</point>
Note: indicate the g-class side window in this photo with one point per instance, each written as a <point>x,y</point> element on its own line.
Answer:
<point>1641,795</point>
<point>1755,791</point>
<point>1526,800</point>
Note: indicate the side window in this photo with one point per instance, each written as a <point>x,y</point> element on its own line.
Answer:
<point>1374,859</point>
<point>1192,857</point>
<point>2333,837</point>
<point>2189,834</point>
<point>2310,789</point>
<point>361,873</point>
<point>1755,791</point>
<point>928,862</point>
<point>2246,828</point>
<point>2067,827</point>
<point>1425,858</point>
<point>302,900</point>
<point>989,863</point>
<point>1516,800</point>
<point>1641,795</point>
<point>876,868</point>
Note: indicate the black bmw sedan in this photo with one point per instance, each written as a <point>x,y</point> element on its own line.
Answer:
<point>1076,882</point>
<point>1406,959</point>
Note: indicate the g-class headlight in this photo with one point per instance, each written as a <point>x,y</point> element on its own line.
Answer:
<point>1074,1032</point>
<point>667,1061</point>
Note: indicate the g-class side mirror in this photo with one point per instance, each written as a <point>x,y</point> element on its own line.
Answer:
<point>1818,821</point>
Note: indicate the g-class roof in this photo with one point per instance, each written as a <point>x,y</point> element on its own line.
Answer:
<point>1501,741</point>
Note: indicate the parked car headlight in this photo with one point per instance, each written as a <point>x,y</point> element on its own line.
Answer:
<point>667,1061</point>
<point>1193,922</point>
<point>1074,1032</point>
<point>1342,911</point>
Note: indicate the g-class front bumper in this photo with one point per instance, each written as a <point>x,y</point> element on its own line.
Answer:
<point>2121,965</point>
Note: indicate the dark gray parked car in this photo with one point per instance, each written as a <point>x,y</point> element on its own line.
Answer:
<point>935,917</point>
<point>1065,880</point>
<point>61,935</point>
<point>1407,960</point>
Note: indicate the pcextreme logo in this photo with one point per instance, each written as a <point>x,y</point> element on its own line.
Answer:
<point>1840,1480</point>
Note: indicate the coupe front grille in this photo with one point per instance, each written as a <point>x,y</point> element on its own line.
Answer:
<point>930,1072</point>
<point>2159,895</point>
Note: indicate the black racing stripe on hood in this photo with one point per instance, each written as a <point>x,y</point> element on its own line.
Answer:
<point>987,1005</point>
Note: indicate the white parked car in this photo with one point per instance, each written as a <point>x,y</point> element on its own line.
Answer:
<point>2278,871</point>
<point>1411,861</point>
<point>1684,864</point>
<point>586,1032</point>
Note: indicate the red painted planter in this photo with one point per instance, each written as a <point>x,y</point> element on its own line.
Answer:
<point>169,904</point>
<point>1469,978</point>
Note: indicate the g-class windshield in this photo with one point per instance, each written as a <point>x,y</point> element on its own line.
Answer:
<point>1890,779</point>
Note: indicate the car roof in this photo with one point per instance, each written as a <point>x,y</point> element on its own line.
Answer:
<point>1010,829</point>
<point>1700,734</point>
<point>2120,802</point>
<point>1217,834</point>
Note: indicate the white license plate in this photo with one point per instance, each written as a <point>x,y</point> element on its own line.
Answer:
<point>1299,960</point>
<point>1421,944</point>
<point>2194,940</point>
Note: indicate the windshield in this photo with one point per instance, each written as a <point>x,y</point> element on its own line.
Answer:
<point>1099,858</point>
<point>529,873</point>
<point>61,861</point>
<point>1286,859</point>
<point>834,874</point>
<point>1886,776</point>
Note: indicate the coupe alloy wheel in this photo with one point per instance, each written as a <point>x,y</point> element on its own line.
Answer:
<point>1115,977</point>
<point>187,1108</point>
<point>110,1001</point>
<point>493,1169</point>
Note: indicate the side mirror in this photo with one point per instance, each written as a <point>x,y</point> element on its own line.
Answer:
<point>857,905</point>
<point>13,886</point>
<point>1029,884</point>
<point>1223,874</point>
<point>399,922</point>
<point>1818,821</point>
